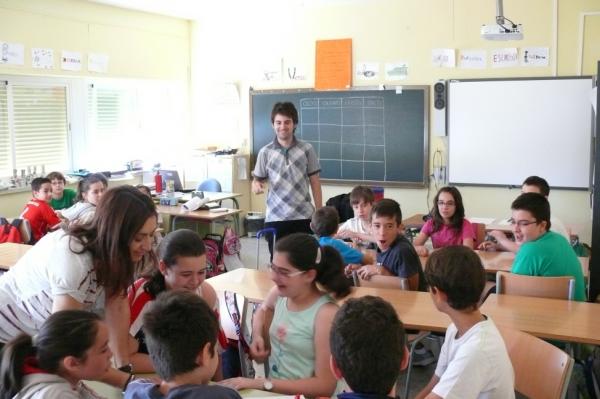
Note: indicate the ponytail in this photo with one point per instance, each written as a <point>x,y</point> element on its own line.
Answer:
<point>13,359</point>
<point>304,253</point>
<point>64,333</point>
<point>330,272</point>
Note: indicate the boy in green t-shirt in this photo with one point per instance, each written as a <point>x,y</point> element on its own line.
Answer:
<point>62,197</point>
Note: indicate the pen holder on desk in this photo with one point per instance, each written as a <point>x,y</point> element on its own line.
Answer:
<point>170,201</point>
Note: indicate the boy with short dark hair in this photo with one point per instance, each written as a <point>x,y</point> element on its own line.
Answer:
<point>62,197</point>
<point>40,215</point>
<point>181,335</point>
<point>542,252</point>
<point>369,359</point>
<point>358,228</point>
<point>473,362</point>
<point>395,254</point>
<point>324,224</point>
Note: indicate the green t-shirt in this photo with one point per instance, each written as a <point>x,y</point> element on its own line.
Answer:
<point>550,256</point>
<point>66,201</point>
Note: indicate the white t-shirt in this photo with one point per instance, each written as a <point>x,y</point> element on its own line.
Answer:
<point>355,225</point>
<point>475,365</point>
<point>80,212</point>
<point>48,269</point>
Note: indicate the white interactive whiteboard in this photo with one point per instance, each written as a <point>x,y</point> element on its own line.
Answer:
<point>502,130</point>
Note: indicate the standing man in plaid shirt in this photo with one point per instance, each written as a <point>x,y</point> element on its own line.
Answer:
<point>290,166</point>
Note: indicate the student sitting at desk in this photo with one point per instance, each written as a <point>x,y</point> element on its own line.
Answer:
<point>324,223</point>
<point>181,332</point>
<point>181,266</point>
<point>358,229</point>
<point>473,361</point>
<point>542,252</point>
<point>89,191</point>
<point>395,254</point>
<point>38,212</point>
<point>292,326</point>
<point>368,359</point>
<point>447,225</point>
<point>62,197</point>
<point>533,184</point>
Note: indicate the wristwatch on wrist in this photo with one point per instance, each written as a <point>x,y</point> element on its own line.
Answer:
<point>128,368</point>
<point>267,385</point>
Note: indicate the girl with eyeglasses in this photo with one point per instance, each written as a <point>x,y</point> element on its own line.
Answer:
<point>291,328</point>
<point>181,266</point>
<point>447,225</point>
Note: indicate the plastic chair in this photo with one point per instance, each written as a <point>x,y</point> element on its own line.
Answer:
<point>210,185</point>
<point>541,369</point>
<point>535,286</point>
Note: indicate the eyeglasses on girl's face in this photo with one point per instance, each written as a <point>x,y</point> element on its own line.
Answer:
<point>280,271</point>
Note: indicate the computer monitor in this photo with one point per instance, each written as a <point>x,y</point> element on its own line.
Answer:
<point>172,175</point>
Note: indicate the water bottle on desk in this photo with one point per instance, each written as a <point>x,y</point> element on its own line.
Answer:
<point>158,183</point>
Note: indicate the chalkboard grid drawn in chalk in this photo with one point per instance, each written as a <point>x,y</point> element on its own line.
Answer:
<point>362,135</point>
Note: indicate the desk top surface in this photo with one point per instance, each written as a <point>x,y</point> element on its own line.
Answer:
<point>546,318</point>
<point>10,253</point>
<point>542,317</point>
<point>502,261</point>
<point>200,215</point>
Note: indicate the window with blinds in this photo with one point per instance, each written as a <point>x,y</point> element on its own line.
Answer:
<point>34,127</point>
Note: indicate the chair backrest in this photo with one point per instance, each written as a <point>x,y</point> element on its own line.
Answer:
<point>536,286</point>
<point>541,369</point>
<point>25,230</point>
<point>479,229</point>
<point>211,185</point>
<point>381,282</point>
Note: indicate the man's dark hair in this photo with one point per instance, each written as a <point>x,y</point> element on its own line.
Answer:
<point>36,184</point>
<point>367,343</point>
<point>325,221</point>
<point>536,204</point>
<point>458,272</point>
<point>538,182</point>
<point>177,326</point>
<point>387,207</point>
<point>361,193</point>
<point>286,109</point>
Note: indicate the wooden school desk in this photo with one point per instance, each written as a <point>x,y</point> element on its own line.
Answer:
<point>546,318</point>
<point>502,261</point>
<point>203,216</point>
<point>415,309</point>
<point>10,253</point>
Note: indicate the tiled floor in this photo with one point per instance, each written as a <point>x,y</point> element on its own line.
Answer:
<point>420,375</point>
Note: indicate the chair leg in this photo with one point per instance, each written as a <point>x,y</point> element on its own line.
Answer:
<point>417,340</point>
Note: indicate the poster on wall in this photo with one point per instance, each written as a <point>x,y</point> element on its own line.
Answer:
<point>505,57</point>
<point>97,62</point>
<point>443,57</point>
<point>535,56</point>
<point>367,70</point>
<point>396,70</point>
<point>42,58</point>
<point>12,53</point>
<point>71,61</point>
<point>473,59</point>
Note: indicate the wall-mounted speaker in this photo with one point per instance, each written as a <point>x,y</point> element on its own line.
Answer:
<point>439,108</point>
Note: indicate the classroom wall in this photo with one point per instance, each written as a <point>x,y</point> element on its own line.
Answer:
<point>231,47</point>
<point>139,45</point>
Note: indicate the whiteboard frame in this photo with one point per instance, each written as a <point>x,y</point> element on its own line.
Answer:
<point>341,182</point>
<point>516,183</point>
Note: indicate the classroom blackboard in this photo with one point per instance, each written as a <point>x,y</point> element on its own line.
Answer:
<point>360,135</point>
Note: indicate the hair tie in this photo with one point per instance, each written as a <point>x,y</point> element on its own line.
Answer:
<point>318,259</point>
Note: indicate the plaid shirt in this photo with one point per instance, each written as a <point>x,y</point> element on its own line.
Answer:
<point>288,171</point>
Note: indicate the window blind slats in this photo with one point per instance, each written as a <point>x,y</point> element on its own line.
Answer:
<point>5,143</point>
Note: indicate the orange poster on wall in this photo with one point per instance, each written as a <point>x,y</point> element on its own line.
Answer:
<point>333,64</point>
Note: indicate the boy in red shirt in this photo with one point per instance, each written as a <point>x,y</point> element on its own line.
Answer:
<point>38,212</point>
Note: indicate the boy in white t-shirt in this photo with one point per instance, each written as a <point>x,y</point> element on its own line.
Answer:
<point>358,229</point>
<point>473,362</point>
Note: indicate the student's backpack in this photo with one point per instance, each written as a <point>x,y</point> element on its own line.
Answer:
<point>231,249</point>
<point>214,254</point>
<point>9,232</point>
<point>342,204</point>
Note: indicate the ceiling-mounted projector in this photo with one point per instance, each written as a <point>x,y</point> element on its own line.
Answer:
<point>503,29</point>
